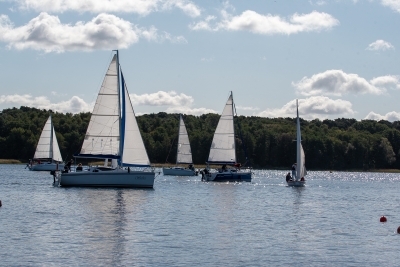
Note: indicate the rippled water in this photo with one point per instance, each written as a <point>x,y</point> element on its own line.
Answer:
<point>333,221</point>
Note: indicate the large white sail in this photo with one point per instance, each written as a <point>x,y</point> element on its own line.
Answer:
<point>43,150</point>
<point>300,156</point>
<point>223,144</point>
<point>184,153</point>
<point>102,136</point>
<point>56,148</point>
<point>134,152</point>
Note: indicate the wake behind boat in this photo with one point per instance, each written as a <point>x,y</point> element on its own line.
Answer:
<point>47,155</point>
<point>223,151</point>
<point>297,178</point>
<point>183,154</point>
<point>113,133</point>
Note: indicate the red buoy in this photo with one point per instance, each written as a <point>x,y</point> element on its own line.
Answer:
<point>383,219</point>
<point>398,230</point>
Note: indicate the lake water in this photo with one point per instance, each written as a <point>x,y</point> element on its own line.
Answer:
<point>333,221</point>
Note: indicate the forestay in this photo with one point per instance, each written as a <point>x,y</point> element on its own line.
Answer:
<point>223,144</point>
<point>184,153</point>
<point>102,136</point>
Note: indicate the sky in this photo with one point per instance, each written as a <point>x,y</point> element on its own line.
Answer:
<point>340,59</point>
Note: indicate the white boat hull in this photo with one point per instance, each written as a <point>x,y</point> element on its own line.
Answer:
<point>110,178</point>
<point>227,176</point>
<point>296,183</point>
<point>46,167</point>
<point>179,171</point>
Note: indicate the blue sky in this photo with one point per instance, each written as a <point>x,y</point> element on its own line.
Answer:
<point>339,58</point>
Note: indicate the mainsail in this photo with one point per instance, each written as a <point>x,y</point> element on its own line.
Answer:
<point>133,151</point>
<point>223,149</point>
<point>47,147</point>
<point>300,157</point>
<point>102,135</point>
<point>184,154</point>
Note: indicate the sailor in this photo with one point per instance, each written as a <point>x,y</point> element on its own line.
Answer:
<point>288,177</point>
<point>294,166</point>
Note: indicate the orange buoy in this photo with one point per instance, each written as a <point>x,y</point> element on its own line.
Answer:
<point>398,230</point>
<point>383,219</point>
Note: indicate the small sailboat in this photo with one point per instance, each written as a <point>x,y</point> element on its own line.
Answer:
<point>223,150</point>
<point>47,155</point>
<point>299,180</point>
<point>183,154</point>
<point>113,133</point>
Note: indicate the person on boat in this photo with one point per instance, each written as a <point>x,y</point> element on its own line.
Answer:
<point>68,165</point>
<point>223,167</point>
<point>294,166</point>
<point>38,161</point>
<point>302,179</point>
<point>288,177</point>
<point>79,168</point>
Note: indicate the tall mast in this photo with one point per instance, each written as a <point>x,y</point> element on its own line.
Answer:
<point>298,152</point>
<point>119,110</point>
<point>179,137</point>
<point>51,138</point>
<point>233,122</point>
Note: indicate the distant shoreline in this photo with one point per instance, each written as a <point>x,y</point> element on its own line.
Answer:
<point>201,166</point>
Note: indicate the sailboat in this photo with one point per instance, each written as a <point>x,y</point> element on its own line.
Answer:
<point>300,157</point>
<point>47,155</point>
<point>183,154</point>
<point>113,133</point>
<point>223,150</point>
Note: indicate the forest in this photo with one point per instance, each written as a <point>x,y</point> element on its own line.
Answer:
<point>268,143</point>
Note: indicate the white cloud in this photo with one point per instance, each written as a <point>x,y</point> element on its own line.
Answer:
<point>73,105</point>
<point>336,82</point>
<point>393,4</point>
<point>247,108</point>
<point>268,24</point>
<point>141,7</point>
<point>105,31</point>
<point>380,45</point>
<point>162,98</point>
<point>390,116</point>
<point>311,108</point>
<point>388,81</point>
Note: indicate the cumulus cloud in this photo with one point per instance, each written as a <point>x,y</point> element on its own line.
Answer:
<point>247,108</point>
<point>268,24</point>
<point>393,4</point>
<point>311,108</point>
<point>162,98</point>
<point>105,31</point>
<point>390,116</point>
<point>388,81</point>
<point>337,82</point>
<point>141,7</point>
<point>73,105</point>
<point>380,45</point>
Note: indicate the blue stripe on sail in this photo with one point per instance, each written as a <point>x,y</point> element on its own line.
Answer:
<point>123,121</point>
<point>134,165</point>
<point>98,156</point>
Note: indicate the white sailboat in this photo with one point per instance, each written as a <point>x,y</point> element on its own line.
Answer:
<point>300,157</point>
<point>113,133</point>
<point>223,150</point>
<point>47,155</point>
<point>183,154</point>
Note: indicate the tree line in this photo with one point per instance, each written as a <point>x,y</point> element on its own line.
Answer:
<point>340,144</point>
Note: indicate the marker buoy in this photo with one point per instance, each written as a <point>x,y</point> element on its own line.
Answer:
<point>383,219</point>
<point>398,230</point>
